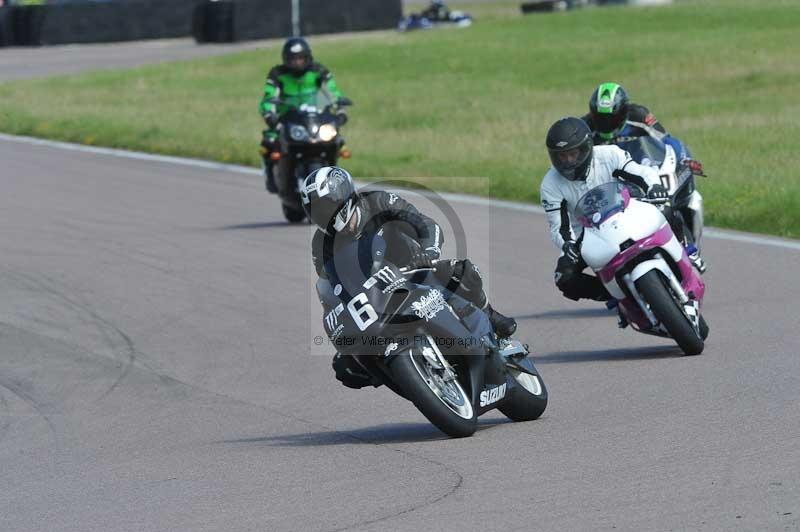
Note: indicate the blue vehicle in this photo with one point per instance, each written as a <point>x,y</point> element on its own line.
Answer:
<point>669,156</point>
<point>436,15</point>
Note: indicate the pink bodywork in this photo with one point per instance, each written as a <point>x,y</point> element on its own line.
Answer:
<point>691,282</point>
<point>657,239</point>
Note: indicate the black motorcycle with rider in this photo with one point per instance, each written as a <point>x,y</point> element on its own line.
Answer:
<point>304,112</point>
<point>399,315</point>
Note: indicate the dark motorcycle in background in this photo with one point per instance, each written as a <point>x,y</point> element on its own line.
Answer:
<point>685,209</point>
<point>425,343</point>
<point>454,19</point>
<point>309,138</point>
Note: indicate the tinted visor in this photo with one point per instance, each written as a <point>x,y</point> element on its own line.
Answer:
<point>322,212</point>
<point>608,123</point>
<point>568,161</point>
<point>298,62</point>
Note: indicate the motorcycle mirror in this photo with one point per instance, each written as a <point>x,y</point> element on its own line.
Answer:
<point>343,102</point>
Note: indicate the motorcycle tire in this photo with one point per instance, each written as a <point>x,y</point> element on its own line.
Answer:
<point>293,216</point>
<point>703,328</point>
<point>528,400</point>
<point>653,288</point>
<point>408,376</point>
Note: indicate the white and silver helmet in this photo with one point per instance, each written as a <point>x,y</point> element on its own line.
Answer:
<point>329,198</point>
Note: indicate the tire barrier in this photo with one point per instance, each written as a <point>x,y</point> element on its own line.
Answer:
<point>334,16</point>
<point>6,26</point>
<point>92,22</point>
<point>540,6</point>
<point>241,20</point>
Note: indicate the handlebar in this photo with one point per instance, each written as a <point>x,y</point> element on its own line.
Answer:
<point>660,201</point>
<point>415,270</point>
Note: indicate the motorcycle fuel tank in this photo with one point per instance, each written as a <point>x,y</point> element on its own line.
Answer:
<point>602,243</point>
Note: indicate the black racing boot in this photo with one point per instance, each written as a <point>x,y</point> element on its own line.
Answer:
<point>270,176</point>
<point>272,188</point>
<point>504,326</point>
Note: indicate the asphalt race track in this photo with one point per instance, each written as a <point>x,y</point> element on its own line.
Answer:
<point>30,62</point>
<point>34,62</point>
<point>158,373</point>
<point>158,370</point>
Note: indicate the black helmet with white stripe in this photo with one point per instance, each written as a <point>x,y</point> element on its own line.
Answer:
<point>296,55</point>
<point>330,198</point>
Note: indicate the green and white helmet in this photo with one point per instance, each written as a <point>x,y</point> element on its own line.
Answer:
<point>608,108</point>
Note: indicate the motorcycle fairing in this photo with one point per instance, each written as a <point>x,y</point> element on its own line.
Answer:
<point>604,243</point>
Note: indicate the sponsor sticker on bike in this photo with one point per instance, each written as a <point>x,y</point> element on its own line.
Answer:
<point>332,318</point>
<point>389,348</point>
<point>428,306</point>
<point>492,395</point>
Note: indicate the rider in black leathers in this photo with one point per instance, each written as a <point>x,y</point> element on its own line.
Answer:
<point>413,240</point>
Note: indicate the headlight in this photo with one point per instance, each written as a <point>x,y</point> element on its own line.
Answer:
<point>298,133</point>
<point>327,132</point>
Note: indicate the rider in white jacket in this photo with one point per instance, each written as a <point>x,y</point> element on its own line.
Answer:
<point>579,166</point>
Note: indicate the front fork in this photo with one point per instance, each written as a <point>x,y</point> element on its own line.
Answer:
<point>690,306</point>
<point>695,217</point>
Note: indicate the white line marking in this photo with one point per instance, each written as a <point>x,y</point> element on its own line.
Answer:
<point>750,238</point>
<point>709,232</point>
<point>126,154</point>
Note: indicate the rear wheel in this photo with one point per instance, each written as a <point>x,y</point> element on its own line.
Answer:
<point>439,396</point>
<point>528,400</point>
<point>669,312</point>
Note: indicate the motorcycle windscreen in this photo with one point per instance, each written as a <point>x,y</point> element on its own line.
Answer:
<point>645,150</point>
<point>602,202</point>
<point>311,101</point>
<point>353,263</point>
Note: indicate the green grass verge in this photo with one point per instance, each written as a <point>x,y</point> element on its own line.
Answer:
<point>723,75</point>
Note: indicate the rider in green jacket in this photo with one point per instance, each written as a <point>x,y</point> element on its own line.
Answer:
<point>296,76</point>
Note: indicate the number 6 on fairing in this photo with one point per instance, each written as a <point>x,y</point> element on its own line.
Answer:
<point>364,316</point>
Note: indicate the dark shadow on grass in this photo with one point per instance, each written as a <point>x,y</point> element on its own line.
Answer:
<point>597,312</point>
<point>608,355</point>
<point>260,225</point>
<point>379,434</point>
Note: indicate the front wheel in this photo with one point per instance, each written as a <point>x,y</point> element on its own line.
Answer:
<point>703,328</point>
<point>528,399</point>
<point>668,311</point>
<point>439,397</point>
<point>293,216</point>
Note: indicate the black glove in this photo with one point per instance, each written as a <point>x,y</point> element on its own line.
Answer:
<point>341,118</point>
<point>572,252</point>
<point>422,259</point>
<point>271,119</point>
<point>658,193</point>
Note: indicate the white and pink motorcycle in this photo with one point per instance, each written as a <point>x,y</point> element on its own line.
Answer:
<point>632,248</point>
